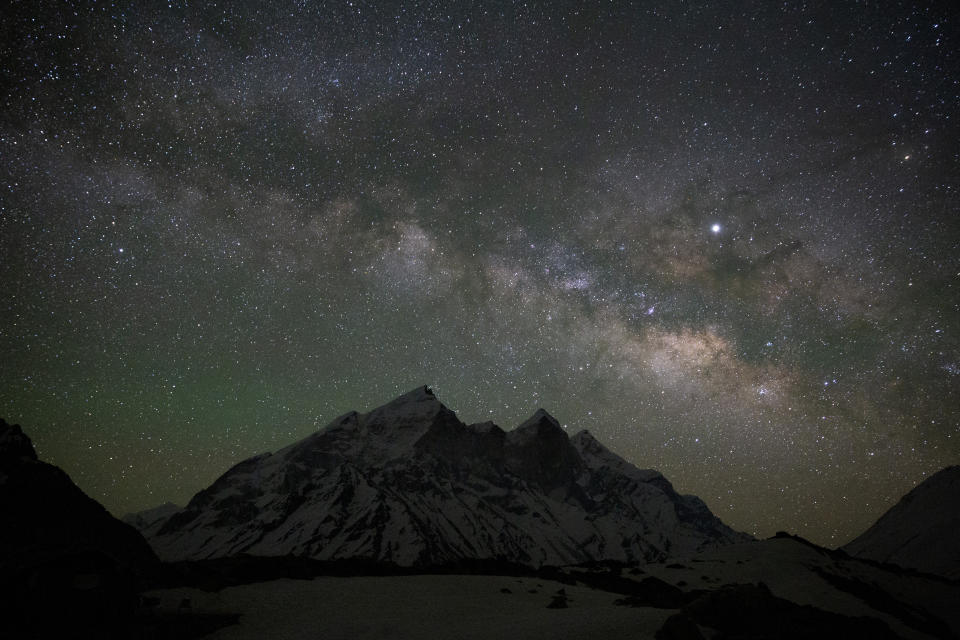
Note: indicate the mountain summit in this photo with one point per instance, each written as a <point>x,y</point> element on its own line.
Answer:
<point>410,483</point>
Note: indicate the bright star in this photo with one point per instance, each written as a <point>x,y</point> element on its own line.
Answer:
<point>715,228</point>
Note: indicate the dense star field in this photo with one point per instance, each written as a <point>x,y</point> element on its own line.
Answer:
<point>724,239</point>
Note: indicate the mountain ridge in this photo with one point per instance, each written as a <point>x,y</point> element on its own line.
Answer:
<point>919,532</point>
<point>66,564</point>
<point>409,483</point>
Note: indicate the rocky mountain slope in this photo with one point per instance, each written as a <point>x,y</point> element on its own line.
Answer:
<point>409,483</point>
<point>67,567</point>
<point>920,531</point>
<point>47,515</point>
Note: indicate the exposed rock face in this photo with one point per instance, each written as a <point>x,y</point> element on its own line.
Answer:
<point>411,484</point>
<point>920,531</point>
<point>61,552</point>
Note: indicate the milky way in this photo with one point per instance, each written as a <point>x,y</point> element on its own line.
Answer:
<point>724,240</point>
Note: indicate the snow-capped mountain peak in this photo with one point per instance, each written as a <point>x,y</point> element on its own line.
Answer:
<point>410,483</point>
<point>539,419</point>
<point>413,408</point>
<point>388,432</point>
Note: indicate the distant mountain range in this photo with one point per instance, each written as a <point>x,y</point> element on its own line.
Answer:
<point>922,531</point>
<point>409,483</point>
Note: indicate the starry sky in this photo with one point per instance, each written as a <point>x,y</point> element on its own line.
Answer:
<point>721,236</point>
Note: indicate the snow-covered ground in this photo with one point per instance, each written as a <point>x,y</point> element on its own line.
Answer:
<point>415,607</point>
<point>913,606</point>
<point>800,573</point>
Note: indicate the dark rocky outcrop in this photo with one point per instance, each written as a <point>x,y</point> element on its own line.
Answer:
<point>751,611</point>
<point>66,564</point>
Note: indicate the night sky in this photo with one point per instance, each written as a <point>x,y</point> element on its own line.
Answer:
<point>721,236</point>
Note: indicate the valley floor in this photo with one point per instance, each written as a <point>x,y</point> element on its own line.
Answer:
<point>787,589</point>
<point>427,607</point>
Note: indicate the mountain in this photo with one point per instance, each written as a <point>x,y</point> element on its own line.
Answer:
<point>60,548</point>
<point>148,521</point>
<point>409,483</point>
<point>46,514</point>
<point>920,531</point>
